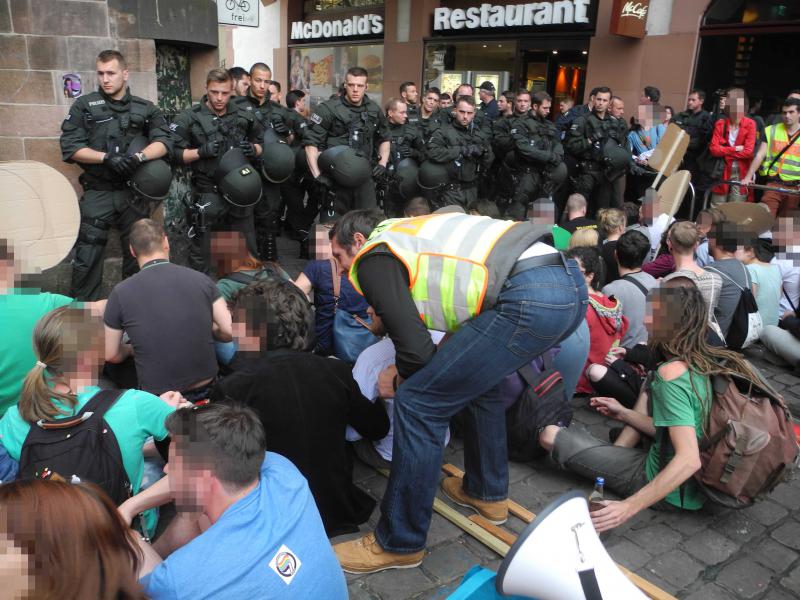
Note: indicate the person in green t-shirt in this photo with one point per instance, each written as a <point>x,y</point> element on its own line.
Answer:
<point>68,344</point>
<point>680,395</point>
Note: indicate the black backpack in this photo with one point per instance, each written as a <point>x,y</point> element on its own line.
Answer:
<point>82,448</point>
<point>746,325</point>
<point>521,423</point>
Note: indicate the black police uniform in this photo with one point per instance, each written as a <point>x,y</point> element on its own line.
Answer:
<point>585,141</point>
<point>101,123</point>
<point>412,113</point>
<point>426,126</point>
<point>193,128</point>
<point>405,142</point>
<point>337,122</point>
<point>536,150</point>
<point>267,213</point>
<point>300,212</point>
<point>467,153</point>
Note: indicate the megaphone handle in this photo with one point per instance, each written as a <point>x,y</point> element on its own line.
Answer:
<point>591,589</point>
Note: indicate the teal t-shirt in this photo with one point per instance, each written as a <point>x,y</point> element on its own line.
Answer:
<point>675,403</point>
<point>768,295</point>
<point>19,312</point>
<point>135,417</point>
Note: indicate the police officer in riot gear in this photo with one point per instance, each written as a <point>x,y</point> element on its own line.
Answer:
<point>410,95</point>
<point>430,115</point>
<point>354,120</point>
<point>590,139</point>
<point>205,132</point>
<point>270,115</point>
<point>535,154</point>
<point>466,152</point>
<point>405,144</point>
<point>96,134</point>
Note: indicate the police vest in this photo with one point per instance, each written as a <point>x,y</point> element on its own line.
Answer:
<point>787,167</point>
<point>445,256</point>
<point>110,129</point>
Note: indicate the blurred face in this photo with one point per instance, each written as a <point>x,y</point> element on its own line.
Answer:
<point>219,92</point>
<point>112,78</point>
<point>789,116</point>
<point>786,236</point>
<point>736,106</point>
<point>355,88</point>
<point>274,94</point>
<point>645,115</point>
<point>465,113</point>
<point>258,83</point>
<point>522,103</point>
<point>240,87</point>
<point>189,486</point>
<point>617,109</point>
<point>430,102</point>
<point>399,114</point>
<point>693,103</point>
<point>411,94</point>
<point>14,567</point>
<point>542,110</point>
<point>601,101</point>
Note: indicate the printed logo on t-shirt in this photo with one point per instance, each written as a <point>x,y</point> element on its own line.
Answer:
<point>286,564</point>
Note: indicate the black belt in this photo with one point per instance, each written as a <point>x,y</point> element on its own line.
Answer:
<point>544,260</point>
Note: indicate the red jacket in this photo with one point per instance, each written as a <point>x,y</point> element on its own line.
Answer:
<point>607,325</point>
<point>719,147</point>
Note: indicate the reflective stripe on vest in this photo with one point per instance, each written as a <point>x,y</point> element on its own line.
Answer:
<point>787,167</point>
<point>445,256</point>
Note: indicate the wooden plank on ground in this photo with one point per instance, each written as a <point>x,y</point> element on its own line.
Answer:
<point>515,509</point>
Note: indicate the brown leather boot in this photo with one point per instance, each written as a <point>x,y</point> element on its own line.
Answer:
<point>365,555</point>
<point>495,512</point>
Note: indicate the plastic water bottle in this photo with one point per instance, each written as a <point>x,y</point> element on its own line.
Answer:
<point>596,501</point>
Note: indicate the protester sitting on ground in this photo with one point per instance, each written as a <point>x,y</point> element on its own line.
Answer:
<point>62,540</point>
<point>576,214</point>
<point>632,210</point>
<point>584,238</point>
<point>611,224</point>
<point>266,538</point>
<point>783,339</point>
<point>766,278</point>
<point>724,240</point>
<point>68,343</point>
<point>682,242</point>
<point>706,220</point>
<point>680,394</point>
<point>787,258</point>
<point>604,315</point>
<point>483,208</point>
<point>664,263</point>
<point>172,315</point>
<point>417,207</point>
<point>305,402</point>
<point>236,266</point>
<point>318,277</point>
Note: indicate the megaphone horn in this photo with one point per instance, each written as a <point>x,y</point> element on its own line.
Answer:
<point>560,557</point>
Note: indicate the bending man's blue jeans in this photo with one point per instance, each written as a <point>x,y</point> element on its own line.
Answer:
<point>536,309</point>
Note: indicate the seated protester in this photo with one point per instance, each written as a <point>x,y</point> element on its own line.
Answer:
<point>611,223</point>
<point>417,207</point>
<point>680,395</point>
<point>317,276</point>
<point>682,242</point>
<point>706,221</point>
<point>632,210</point>
<point>766,278</point>
<point>604,315</point>
<point>266,538</point>
<point>304,401</point>
<point>724,240</point>
<point>576,214</point>
<point>584,238</point>
<point>483,208</point>
<point>236,266</point>
<point>64,540</point>
<point>172,315</point>
<point>656,223</point>
<point>68,343</point>
<point>783,339</point>
<point>664,263</point>
<point>787,259</point>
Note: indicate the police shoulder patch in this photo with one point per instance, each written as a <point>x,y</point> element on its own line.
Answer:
<point>514,130</point>
<point>67,118</point>
<point>173,127</point>
<point>315,118</point>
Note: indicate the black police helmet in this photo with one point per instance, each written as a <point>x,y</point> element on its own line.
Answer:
<point>557,174</point>
<point>406,172</point>
<point>237,180</point>
<point>615,161</point>
<point>277,161</point>
<point>137,144</point>
<point>346,167</point>
<point>152,178</point>
<point>432,176</point>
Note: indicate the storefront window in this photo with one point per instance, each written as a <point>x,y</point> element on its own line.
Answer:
<point>320,71</point>
<point>449,64</point>
<point>318,6</point>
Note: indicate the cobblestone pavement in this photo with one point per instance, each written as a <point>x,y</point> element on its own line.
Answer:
<point>749,554</point>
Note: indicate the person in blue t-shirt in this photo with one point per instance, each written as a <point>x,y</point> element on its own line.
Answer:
<point>265,538</point>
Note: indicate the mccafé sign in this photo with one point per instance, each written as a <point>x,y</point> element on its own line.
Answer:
<point>629,18</point>
<point>496,16</point>
<point>364,25</point>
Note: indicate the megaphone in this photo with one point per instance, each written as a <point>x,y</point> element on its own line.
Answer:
<point>560,557</point>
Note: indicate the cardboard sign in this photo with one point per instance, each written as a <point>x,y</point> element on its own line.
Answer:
<point>39,213</point>
<point>668,154</point>
<point>671,193</point>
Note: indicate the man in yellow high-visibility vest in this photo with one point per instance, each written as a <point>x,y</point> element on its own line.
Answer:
<point>778,157</point>
<point>504,296</point>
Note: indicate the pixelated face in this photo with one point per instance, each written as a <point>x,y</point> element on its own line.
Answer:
<point>241,86</point>
<point>355,87</point>
<point>543,110</point>
<point>601,101</point>
<point>399,114</point>
<point>465,113</point>
<point>219,92</point>
<point>259,83</point>
<point>431,101</point>
<point>736,105</point>
<point>247,340</point>
<point>693,103</point>
<point>14,566</point>
<point>662,314</point>
<point>343,255</point>
<point>646,115</point>
<point>411,94</point>
<point>543,213</point>
<point>522,103</point>
<point>84,350</point>
<point>617,108</point>
<point>111,77</point>
<point>320,244</point>
<point>189,480</point>
<point>786,236</point>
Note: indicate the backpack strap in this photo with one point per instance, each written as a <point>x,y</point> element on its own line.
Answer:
<point>788,299</point>
<point>239,277</point>
<point>337,282</point>
<point>629,277</point>
<point>98,405</point>
<point>721,274</point>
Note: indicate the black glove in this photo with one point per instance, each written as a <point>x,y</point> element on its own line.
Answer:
<point>118,163</point>
<point>247,148</point>
<point>321,185</point>
<point>209,150</point>
<point>404,152</point>
<point>281,128</point>
<point>379,171</point>
<point>639,170</point>
<point>475,150</point>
